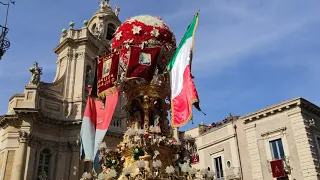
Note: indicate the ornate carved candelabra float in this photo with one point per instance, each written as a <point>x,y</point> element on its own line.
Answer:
<point>148,150</point>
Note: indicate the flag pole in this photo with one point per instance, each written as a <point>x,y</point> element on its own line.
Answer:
<point>197,13</point>
<point>194,32</point>
<point>197,105</point>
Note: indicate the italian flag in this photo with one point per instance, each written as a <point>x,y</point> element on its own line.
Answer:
<point>183,90</point>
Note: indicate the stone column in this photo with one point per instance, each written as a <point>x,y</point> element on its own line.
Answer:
<point>20,157</point>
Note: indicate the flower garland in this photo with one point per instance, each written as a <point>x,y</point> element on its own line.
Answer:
<point>145,139</point>
<point>112,160</point>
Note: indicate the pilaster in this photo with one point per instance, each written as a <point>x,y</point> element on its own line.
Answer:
<point>254,155</point>
<point>74,173</point>
<point>303,144</point>
<point>20,157</point>
<point>61,161</point>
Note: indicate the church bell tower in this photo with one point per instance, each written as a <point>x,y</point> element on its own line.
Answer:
<point>77,51</point>
<point>39,133</point>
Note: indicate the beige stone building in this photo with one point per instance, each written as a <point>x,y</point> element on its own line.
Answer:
<point>39,134</point>
<point>245,147</point>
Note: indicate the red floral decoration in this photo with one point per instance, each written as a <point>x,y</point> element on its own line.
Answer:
<point>144,31</point>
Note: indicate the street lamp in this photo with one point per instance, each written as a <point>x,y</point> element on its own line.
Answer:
<point>4,42</point>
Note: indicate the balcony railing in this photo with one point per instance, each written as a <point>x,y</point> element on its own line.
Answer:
<point>286,164</point>
<point>228,174</point>
<point>232,173</point>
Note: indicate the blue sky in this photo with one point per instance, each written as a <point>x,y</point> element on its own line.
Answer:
<point>248,54</point>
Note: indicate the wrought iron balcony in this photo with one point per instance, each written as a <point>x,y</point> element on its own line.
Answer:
<point>286,164</point>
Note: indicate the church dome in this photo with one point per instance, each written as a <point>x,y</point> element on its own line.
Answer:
<point>144,29</point>
<point>105,21</point>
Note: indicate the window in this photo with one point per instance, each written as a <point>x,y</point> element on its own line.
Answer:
<point>218,167</point>
<point>44,162</point>
<point>228,164</point>
<point>110,31</point>
<point>276,147</point>
<point>93,29</point>
<point>89,76</point>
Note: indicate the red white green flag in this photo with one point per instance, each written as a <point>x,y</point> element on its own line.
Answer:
<point>183,90</point>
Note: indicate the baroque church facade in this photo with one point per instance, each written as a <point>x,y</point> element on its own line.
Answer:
<point>40,132</point>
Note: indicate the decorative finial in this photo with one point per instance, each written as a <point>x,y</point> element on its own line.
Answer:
<point>64,31</point>
<point>85,23</point>
<point>197,13</point>
<point>71,24</point>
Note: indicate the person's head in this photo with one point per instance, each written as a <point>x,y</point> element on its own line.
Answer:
<point>208,168</point>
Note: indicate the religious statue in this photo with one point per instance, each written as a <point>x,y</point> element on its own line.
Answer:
<point>104,4</point>
<point>36,73</point>
<point>99,30</point>
<point>156,114</point>
<point>89,77</point>
<point>137,120</point>
<point>116,10</point>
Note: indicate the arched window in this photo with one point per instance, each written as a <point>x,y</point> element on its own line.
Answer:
<point>44,163</point>
<point>110,31</point>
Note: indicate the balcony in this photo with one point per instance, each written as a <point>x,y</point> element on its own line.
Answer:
<point>228,174</point>
<point>285,163</point>
<point>232,173</point>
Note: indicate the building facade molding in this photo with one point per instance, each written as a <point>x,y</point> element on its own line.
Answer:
<point>216,141</point>
<point>10,120</point>
<point>280,130</point>
<point>278,108</point>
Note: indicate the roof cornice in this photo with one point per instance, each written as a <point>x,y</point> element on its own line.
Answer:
<point>281,107</point>
<point>9,119</point>
<point>40,118</point>
<point>16,95</point>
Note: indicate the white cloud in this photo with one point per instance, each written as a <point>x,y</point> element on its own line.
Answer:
<point>230,30</point>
